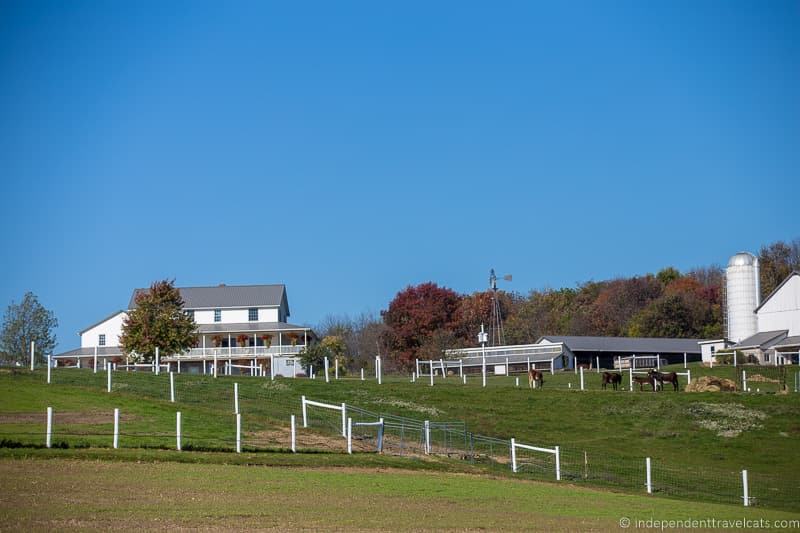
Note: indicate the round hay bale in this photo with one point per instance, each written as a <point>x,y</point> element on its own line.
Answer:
<point>711,384</point>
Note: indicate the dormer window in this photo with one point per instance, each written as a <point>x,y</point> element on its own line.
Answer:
<point>252,315</point>
<point>217,315</point>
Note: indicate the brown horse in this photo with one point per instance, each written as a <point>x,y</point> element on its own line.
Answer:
<point>664,377</point>
<point>613,378</point>
<point>642,381</point>
<point>535,378</point>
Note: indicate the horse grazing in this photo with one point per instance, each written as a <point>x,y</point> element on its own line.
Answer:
<point>664,377</point>
<point>535,378</point>
<point>642,380</point>
<point>613,378</point>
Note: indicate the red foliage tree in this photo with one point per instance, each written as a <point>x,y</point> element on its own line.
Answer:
<point>415,314</point>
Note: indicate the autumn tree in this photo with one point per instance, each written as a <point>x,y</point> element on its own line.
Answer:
<point>333,347</point>
<point>157,321</point>
<point>415,314</point>
<point>25,322</point>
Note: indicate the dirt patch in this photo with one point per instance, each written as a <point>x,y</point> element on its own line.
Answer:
<point>726,419</point>
<point>62,417</point>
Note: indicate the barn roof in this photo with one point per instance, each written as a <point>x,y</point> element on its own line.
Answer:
<point>577,343</point>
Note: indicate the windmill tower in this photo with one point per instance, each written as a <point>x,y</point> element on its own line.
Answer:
<point>496,335</point>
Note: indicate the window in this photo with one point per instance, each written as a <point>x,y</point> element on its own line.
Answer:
<point>252,315</point>
<point>190,313</point>
<point>217,315</point>
<point>713,349</point>
<point>101,341</point>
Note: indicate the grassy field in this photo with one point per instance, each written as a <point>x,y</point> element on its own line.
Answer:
<point>698,442</point>
<point>71,493</point>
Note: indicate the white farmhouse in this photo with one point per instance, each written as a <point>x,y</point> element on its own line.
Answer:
<point>237,326</point>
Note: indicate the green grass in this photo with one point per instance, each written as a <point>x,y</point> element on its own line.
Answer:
<point>613,431</point>
<point>69,494</point>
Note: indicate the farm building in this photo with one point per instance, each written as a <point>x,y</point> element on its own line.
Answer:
<point>237,326</point>
<point>615,352</point>
<point>501,360</point>
<point>777,340</point>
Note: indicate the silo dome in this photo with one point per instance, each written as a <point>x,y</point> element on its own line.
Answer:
<point>742,259</point>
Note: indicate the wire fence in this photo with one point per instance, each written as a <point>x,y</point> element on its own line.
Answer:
<point>253,414</point>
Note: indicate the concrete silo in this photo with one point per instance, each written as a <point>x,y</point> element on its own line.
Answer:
<point>742,289</point>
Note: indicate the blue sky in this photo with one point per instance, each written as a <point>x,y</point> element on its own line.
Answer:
<point>351,149</point>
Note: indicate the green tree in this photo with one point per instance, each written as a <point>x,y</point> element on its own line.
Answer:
<point>25,322</point>
<point>776,262</point>
<point>333,347</point>
<point>158,321</point>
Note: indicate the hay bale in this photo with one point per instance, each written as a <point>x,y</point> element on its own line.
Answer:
<point>711,384</point>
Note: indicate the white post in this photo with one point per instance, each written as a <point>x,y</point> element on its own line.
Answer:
<point>272,368</point>
<point>108,388</point>
<point>575,364</point>
<point>172,387</point>
<point>430,366</point>
<point>179,366</point>
<point>597,363</point>
<point>684,360</point>
<point>508,370</point>
<point>744,380</point>
<point>427,437</point>
<point>238,433</point>
<point>558,464</point>
<point>649,479</point>
<point>483,367</point>
<point>336,368</point>
<point>417,363</point>
<point>380,370</point>
<point>362,373</point>
<point>178,430</point>
<point>215,363</point>
<point>460,368</point>
<point>745,489</point>
<point>294,432</point>
<point>529,364</point>
<point>734,359</point>
<point>95,359</point>
<point>33,354</point>
<point>49,367</point>
<point>630,377</point>
<point>516,379</point>
<point>327,379</point>
<point>582,387</point>
<point>305,411</point>
<point>413,377</point>
<point>553,366</point>
<point>49,434</point>
<point>688,376</point>
<point>158,362</point>
<point>444,371</point>
<point>350,435</point>
<point>464,379</point>
<point>344,419</point>
<point>658,361</point>
<point>236,398</point>
<point>513,456</point>
<point>116,428</point>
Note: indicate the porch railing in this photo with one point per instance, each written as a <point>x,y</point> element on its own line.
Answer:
<point>248,351</point>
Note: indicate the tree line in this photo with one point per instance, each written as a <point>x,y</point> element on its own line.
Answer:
<point>424,319</point>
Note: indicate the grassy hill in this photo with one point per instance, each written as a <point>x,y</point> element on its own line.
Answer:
<point>698,442</point>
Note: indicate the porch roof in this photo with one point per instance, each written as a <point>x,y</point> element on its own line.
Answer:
<point>102,351</point>
<point>251,327</point>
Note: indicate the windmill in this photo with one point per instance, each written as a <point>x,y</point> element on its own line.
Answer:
<point>496,322</point>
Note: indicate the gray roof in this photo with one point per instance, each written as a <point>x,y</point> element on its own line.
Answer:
<point>788,341</point>
<point>89,350</point>
<point>227,296</point>
<point>776,289</point>
<point>112,315</point>
<point>626,344</point>
<point>763,339</point>
<point>244,327</point>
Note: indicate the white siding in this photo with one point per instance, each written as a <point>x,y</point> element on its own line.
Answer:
<point>268,315</point>
<point>782,310</point>
<point>707,354</point>
<point>204,316</point>
<point>111,328</point>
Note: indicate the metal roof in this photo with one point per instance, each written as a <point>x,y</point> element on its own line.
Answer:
<point>788,341</point>
<point>626,344</point>
<point>227,296</point>
<point>89,350</point>
<point>763,339</point>
<point>253,327</point>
